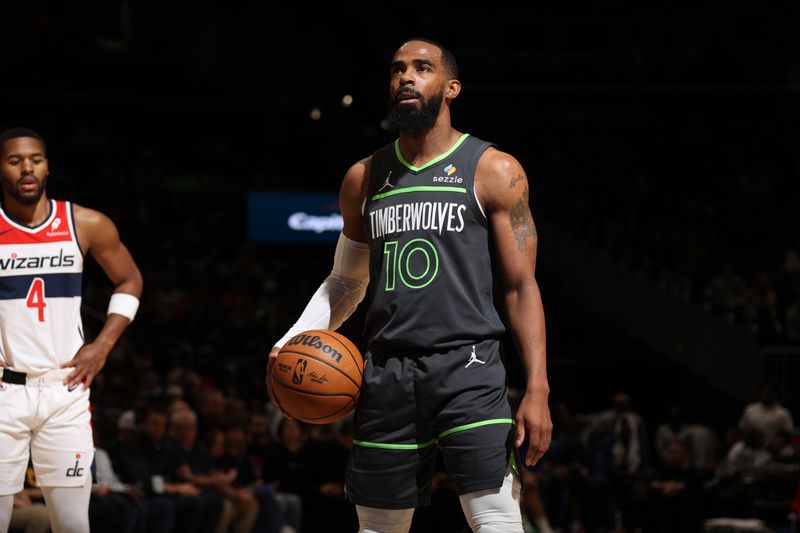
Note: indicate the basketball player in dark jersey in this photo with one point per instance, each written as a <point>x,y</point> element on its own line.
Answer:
<point>428,219</point>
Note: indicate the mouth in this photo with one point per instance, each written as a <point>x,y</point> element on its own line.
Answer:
<point>28,184</point>
<point>407,97</point>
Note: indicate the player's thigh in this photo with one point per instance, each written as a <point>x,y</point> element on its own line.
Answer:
<point>372,520</point>
<point>478,458</point>
<point>392,459</point>
<point>62,448</point>
<point>15,435</point>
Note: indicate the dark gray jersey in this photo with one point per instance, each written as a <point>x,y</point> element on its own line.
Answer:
<point>430,258</point>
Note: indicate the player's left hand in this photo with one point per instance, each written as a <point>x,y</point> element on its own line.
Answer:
<point>273,354</point>
<point>533,415</point>
<point>87,363</point>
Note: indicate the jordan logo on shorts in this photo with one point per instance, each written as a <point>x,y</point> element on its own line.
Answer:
<point>473,358</point>
<point>386,183</point>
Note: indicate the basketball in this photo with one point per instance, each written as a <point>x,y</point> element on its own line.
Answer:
<point>317,376</point>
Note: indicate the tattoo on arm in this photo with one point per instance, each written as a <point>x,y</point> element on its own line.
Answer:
<point>522,221</point>
<point>515,180</point>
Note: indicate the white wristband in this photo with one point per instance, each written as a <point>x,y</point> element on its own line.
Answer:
<point>123,304</point>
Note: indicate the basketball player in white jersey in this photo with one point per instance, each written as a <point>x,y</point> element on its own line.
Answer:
<point>46,364</point>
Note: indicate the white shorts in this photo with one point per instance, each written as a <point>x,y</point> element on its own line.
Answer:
<point>54,424</point>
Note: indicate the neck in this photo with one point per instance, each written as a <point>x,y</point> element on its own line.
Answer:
<point>27,214</point>
<point>420,148</point>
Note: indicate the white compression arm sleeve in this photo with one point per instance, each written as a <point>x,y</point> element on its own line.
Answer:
<point>339,294</point>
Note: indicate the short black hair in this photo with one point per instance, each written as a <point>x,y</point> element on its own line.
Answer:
<point>19,131</point>
<point>448,58</point>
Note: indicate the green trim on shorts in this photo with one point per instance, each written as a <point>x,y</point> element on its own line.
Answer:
<point>383,446</point>
<point>450,431</point>
<point>475,425</point>
<point>512,462</point>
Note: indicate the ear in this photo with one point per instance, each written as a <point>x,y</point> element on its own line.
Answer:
<point>452,89</point>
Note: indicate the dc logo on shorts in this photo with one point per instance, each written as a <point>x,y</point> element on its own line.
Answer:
<point>299,370</point>
<point>75,471</point>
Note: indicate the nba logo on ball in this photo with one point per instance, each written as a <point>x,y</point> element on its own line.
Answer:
<point>335,367</point>
<point>299,370</point>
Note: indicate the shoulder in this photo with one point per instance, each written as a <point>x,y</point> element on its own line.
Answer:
<point>95,230</point>
<point>89,219</point>
<point>496,164</point>
<point>499,179</point>
<point>357,173</point>
<point>354,184</point>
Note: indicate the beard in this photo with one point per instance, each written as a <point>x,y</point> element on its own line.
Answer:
<point>29,197</point>
<point>404,118</point>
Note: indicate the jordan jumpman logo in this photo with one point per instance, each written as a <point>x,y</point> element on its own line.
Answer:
<point>473,358</point>
<point>386,183</point>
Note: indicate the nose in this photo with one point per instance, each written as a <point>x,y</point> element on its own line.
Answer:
<point>406,78</point>
<point>27,166</point>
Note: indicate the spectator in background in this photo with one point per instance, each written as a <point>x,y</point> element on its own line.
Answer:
<point>258,438</point>
<point>126,426</point>
<point>562,472</point>
<point>701,442</point>
<point>212,413</point>
<point>327,451</point>
<point>29,514</point>
<point>621,453</point>
<point>113,504</point>
<point>675,428</point>
<point>703,445</point>
<point>240,509</point>
<point>781,448</point>
<point>286,468</point>
<point>735,476</point>
<point>766,415</point>
<point>676,497</point>
<point>192,464</point>
<point>145,463</point>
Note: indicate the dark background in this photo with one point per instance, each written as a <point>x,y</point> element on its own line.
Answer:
<point>660,143</point>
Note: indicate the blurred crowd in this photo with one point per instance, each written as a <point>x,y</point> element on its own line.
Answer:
<point>187,440</point>
<point>614,471</point>
<point>703,209</point>
<point>184,455</point>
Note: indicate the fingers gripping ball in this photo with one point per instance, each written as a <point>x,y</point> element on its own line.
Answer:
<point>317,376</point>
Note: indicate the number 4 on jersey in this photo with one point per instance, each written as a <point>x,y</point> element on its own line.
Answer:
<point>35,298</point>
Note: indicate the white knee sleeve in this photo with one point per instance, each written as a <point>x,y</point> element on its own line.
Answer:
<point>494,510</point>
<point>371,520</point>
<point>68,508</point>
<point>6,507</point>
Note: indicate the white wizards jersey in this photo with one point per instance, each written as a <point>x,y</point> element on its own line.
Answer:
<point>40,291</point>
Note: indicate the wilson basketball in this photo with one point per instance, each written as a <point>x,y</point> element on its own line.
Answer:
<point>317,376</point>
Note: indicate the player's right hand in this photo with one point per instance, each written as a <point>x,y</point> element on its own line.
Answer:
<point>273,354</point>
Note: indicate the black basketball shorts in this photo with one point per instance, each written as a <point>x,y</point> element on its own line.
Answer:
<point>410,405</point>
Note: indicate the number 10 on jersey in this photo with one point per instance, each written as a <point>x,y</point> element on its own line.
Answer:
<point>399,264</point>
<point>35,299</point>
